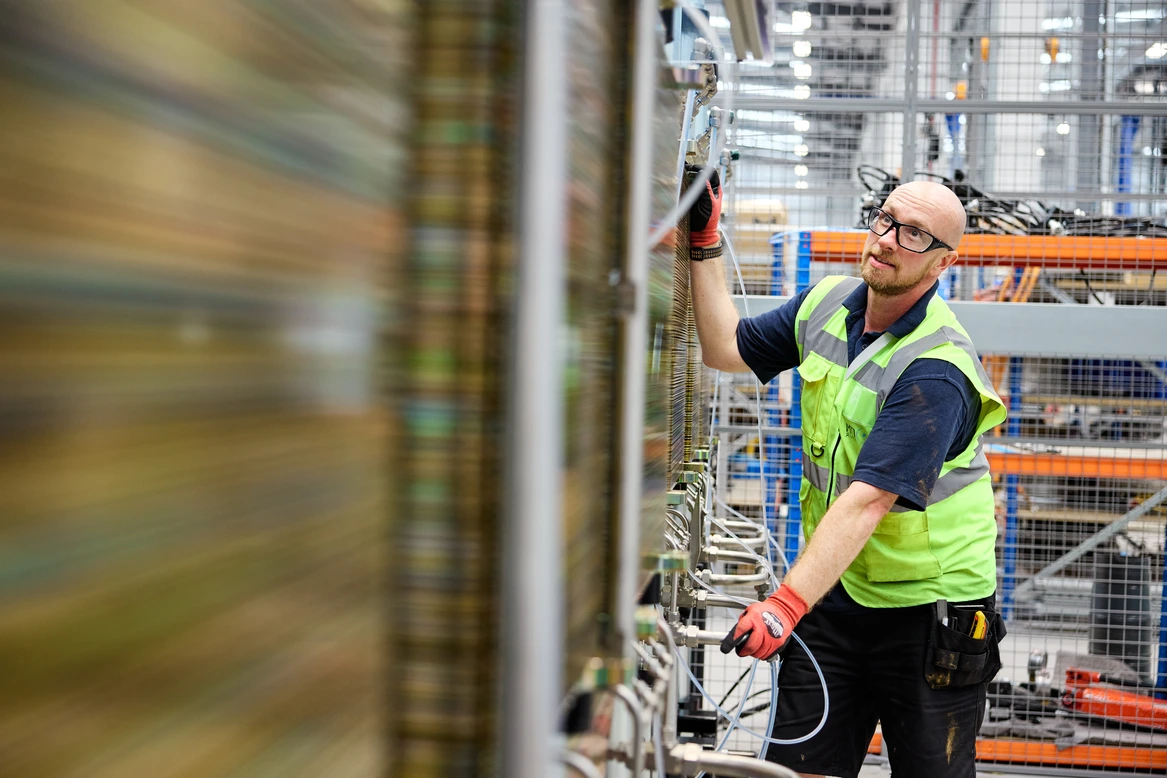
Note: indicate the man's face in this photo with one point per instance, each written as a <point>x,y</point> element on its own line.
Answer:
<point>890,269</point>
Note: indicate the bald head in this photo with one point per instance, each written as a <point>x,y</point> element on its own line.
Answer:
<point>936,208</point>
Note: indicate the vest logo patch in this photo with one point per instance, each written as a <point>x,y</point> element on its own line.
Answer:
<point>850,431</point>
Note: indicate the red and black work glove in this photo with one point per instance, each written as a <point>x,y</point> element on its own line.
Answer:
<point>765,627</point>
<point>706,212</point>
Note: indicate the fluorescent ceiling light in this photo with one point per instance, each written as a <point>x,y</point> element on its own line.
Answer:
<point>719,22</point>
<point>1062,129</point>
<point>1157,51</point>
<point>802,170</point>
<point>1040,151</point>
<point>801,92</point>
<point>802,150</point>
<point>801,185</point>
<point>801,69</point>
<point>802,48</point>
<point>802,125</point>
<point>1064,23</point>
<point>1144,15</point>
<point>800,20</point>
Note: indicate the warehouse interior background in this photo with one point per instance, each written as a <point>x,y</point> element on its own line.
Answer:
<point>354,418</point>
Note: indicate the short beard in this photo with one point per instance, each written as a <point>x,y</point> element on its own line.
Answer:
<point>894,286</point>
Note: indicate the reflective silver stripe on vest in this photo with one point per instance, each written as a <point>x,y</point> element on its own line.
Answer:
<point>964,344</point>
<point>953,481</point>
<point>816,474</point>
<point>820,477</point>
<point>946,486</point>
<point>811,335</point>
<point>882,380</point>
<point>829,348</point>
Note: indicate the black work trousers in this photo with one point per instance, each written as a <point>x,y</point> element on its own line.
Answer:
<point>873,663</point>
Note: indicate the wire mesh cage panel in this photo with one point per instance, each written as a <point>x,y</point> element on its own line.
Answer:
<point>1047,120</point>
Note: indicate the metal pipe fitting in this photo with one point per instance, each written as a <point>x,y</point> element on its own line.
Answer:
<point>735,525</point>
<point>715,554</point>
<point>691,759</point>
<point>654,666</point>
<point>744,580</point>
<point>692,637</point>
<point>699,598</point>
<point>636,713</point>
<point>749,541</point>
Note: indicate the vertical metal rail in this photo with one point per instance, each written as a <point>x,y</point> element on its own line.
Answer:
<point>1090,79</point>
<point>634,344</point>
<point>911,87</point>
<point>793,535</point>
<point>1012,481</point>
<point>532,615</point>
<point>1161,670</point>
<point>770,446</point>
<point>1126,142</point>
<point>635,321</point>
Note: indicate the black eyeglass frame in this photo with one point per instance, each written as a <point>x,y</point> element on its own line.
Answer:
<point>936,242</point>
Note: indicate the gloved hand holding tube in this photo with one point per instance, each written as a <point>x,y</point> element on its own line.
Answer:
<point>765,626</point>
<point>705,214</point>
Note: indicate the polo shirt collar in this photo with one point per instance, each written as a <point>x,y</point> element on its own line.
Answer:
<point>856,305</point>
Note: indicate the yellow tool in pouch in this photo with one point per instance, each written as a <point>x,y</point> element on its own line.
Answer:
<point>980,626</point>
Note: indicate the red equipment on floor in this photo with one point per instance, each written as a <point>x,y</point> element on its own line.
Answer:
<point>1087,694</point>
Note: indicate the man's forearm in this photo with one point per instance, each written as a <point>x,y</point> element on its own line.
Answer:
<point>838,539</point>
<point>716,316</point>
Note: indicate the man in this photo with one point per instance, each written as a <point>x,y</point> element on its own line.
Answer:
<point>897,501</point>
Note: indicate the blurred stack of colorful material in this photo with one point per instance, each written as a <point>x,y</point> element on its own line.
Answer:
<point>199,214</point>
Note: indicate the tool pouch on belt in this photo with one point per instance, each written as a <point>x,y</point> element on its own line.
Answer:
<point>954,658</point>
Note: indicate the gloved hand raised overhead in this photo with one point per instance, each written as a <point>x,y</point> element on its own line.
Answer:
<point>705,214</point>
<point>765,627</point>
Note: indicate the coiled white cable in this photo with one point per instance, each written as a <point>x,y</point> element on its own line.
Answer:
<point>766,739</point>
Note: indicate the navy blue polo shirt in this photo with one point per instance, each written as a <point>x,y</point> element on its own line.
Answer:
<point>930,415</point>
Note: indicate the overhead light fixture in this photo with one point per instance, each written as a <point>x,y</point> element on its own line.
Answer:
<point>801,70</point>
<point>801,92</point>
<point>801,185</point>
<point>1157,51</point>
<point>800,20</point>
<point>802,48</point>
<point>802,150</point>
<point>1143,15</point>
<point>1064,23</point>
<point>1063,129</point>
<point>802,125</point>
<point>802,170</point>
<point>719,22</point>
<point>1040,151</point>
<point>1146,151</point>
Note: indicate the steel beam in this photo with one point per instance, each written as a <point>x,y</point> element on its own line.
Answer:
<point>878,105</point>
<point>532,544</point>
<point>1047,329</point>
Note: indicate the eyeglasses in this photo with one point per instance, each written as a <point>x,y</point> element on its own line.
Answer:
<point>911,238</point>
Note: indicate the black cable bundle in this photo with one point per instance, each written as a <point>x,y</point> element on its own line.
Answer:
<point>998,216</point>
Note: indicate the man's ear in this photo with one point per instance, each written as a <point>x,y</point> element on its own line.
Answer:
<point>947,261</point>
